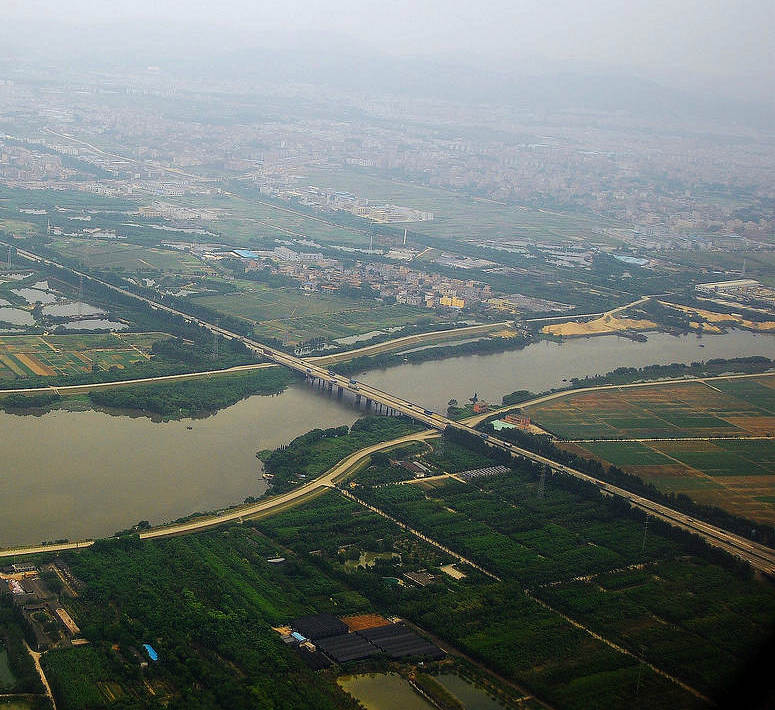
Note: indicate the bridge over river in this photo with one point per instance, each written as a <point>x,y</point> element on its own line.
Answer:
<point>759,556</point>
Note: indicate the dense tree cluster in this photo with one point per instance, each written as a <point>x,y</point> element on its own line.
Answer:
<point>12,636</point>
<point>717,516</point>
<point>318,450</point>
<point>192,397</point>
<point>707,368</point>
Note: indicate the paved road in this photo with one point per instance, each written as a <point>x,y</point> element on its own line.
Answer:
<point>36,660</point>
<point>282,501</point>
<point>327,480</point>
<point>473,421</point>
<point>759,556</point>
<point>672,438</point>
<point>385,346</point>
<point>571,317</point>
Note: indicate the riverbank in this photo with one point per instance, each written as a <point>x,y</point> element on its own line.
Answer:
<point>484,346</point>
<point>114,468</point>
<point>545,365</point>
<point>163,400</point>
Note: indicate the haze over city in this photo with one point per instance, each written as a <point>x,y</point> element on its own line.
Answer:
<point>387,355</point>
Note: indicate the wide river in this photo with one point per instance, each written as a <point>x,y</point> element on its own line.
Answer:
<point>82,474</point>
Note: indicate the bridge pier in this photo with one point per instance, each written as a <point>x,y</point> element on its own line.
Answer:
<point>357,400</point>
<point>368,404</point>
<point>340,392</point>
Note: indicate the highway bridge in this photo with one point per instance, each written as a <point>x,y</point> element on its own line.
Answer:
<point>759,556</point>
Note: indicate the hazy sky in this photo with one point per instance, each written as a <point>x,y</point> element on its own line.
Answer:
<point>679,40</point>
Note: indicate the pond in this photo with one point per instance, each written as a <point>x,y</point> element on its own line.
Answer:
<point>383,691</point>
<point>96,324</point>
<point>472,697</point>
<point>16,316</point>
<point>72,309</point>
<point>32,295</point>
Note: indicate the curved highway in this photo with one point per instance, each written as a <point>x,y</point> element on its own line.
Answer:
<point>759,556</point>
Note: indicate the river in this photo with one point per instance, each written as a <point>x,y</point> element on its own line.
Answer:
<point>82,474</point>
<point>543,365</point>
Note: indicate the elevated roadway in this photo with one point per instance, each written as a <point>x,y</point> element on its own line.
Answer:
<point>759,556</point>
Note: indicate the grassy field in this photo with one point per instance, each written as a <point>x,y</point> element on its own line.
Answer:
<point>287,313</point>
<point>455,215</point>
<point>23,355</point>
<point>758,265</point>
<point>19,227</point>
<point>245,220</point>
<point>345,323</point>
<point>259,303</point>
<point>129,257</point>
<point>735,474</point>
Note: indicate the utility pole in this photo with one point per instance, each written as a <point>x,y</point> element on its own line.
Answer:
<point>80,295</point>
<point>542,483</point>
<point>645,529</point>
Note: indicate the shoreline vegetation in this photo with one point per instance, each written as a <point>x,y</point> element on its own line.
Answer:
<point>485,346</point>
<point>189,398</point>
<point>186,398</point>
<point>165,400</point>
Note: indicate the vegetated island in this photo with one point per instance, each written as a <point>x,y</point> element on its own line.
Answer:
<point>190,398</point>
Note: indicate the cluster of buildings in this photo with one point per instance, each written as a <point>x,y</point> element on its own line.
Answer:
<point>396,283</point>
<point>745,291</point>
<point>338,200</point>
<point>40,606</point>
<point>572,162</point>
<point>323,639</point>
<point>165,210</point>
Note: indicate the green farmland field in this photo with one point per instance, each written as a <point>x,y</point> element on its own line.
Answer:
<point>49,355</point>
<point>716,468</point>
<point>129,257</point>
<point>731,408</point>
<point>289,314</point>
